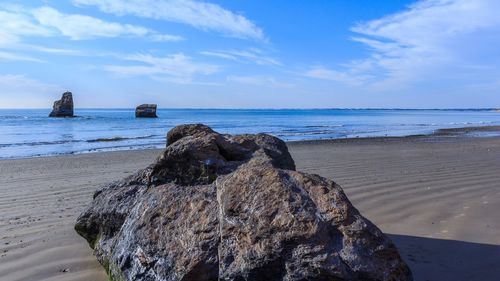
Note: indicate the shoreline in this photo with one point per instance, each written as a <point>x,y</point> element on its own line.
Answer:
<point>438,135</point>
<point>443,134</point>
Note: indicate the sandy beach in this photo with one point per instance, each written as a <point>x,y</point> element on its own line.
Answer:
<point>436,196</point>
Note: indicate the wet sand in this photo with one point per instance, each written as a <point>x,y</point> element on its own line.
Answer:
<point>438,197</point>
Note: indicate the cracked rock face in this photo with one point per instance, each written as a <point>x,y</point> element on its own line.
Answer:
<point>146,111</point>
<point>220,207</point>
<point>63,107</point>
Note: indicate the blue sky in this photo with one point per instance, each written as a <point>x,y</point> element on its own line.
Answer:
<point>251,53</point>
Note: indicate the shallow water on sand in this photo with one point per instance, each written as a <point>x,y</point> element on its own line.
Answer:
<point>29,132</point>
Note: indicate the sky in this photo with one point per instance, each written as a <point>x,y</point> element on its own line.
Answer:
<point>251,53</point>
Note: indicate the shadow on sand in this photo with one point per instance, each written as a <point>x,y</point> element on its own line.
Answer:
<point>449,260</point>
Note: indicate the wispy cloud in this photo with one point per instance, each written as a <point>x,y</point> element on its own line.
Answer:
<point>431,40</point>
<point>250,55</point>
<point>176,68</point>
<point>79,27</point>
<point>166,37</point>
<point>43,49</point>
<point>11,56</point>
<point>202,15</point>
<point>18,22</point>
<point>266,81</point>
<point>29,92</point>
<point>13,84</point>
<point>320,72</point>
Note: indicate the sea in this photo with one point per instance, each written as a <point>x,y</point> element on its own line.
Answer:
<point>31,133</point>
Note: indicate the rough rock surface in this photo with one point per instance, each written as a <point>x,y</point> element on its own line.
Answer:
<point>146,111</point>
<point>63,107</point>
<point>220,207</point>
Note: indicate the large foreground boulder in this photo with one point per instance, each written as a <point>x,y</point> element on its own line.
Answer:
<point>220,207</point>
<point>146,111</point>
<point>63,107</point>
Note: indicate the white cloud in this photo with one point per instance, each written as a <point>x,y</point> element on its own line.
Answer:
<point>219,54</point>
<point>19,91</point>
<point>259,81</point>
<point>78,27</point>
<point>320,72</point>
<point>48,50</point>
<point>202,15</point>
<point>166,38</point>
<point>10,56</point>
<point>15,24</point>
<point>250,55</point>
<point>176,68</point>
<point>432,40</point>
<point>14,84</point>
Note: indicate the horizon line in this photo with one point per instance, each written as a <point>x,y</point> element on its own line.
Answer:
<point>265,108</point>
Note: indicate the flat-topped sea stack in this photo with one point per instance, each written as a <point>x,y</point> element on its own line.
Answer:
<point>146,111</point>
<point>63,107</point>
<point>220,207</point>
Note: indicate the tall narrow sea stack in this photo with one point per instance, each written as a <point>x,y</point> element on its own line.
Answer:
<point>146,111</point>
<point>219,207</point>
<point>63,107</point>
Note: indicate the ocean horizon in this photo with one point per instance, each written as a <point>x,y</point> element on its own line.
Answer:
<point>31,133</point>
